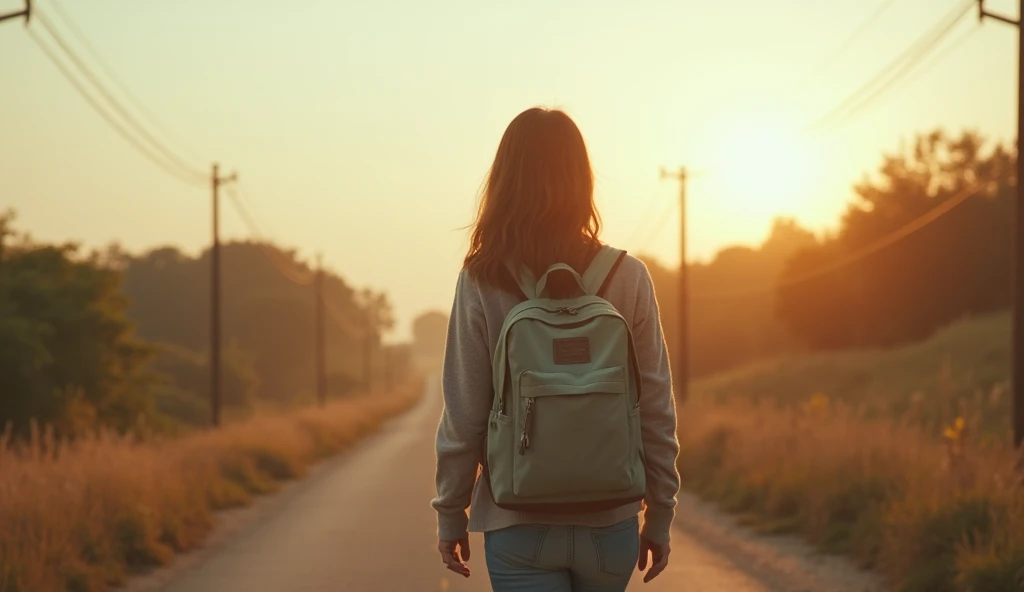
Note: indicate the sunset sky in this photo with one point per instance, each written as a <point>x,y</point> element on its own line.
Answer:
<point>364,129</point>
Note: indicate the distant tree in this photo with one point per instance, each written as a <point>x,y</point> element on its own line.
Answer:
<point>184,382</point>
<point>399,363</point>
<point>956,265</point>
<point>265,314</point>
<point>377,317</point>
<point>342,384</point>
<point>68,357</point>
<point>429,332</point>
<point>732,319</point>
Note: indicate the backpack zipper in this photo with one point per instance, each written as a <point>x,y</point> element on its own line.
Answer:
<point>524,440</point>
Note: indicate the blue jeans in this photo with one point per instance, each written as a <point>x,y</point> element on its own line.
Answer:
<point>550,558</point>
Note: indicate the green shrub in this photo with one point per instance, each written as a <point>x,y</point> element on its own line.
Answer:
<point>991,570</point>
<point>138,538</point>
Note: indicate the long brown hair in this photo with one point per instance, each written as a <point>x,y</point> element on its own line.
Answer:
<point>537,206</point>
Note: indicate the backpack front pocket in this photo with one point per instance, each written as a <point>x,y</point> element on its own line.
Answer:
<point>573,434</point>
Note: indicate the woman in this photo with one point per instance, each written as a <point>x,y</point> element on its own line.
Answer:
<point>538,209</point>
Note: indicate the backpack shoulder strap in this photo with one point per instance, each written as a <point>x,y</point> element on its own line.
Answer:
<point>510,284</point>
<point>524,280</point>
<point>601,269</point>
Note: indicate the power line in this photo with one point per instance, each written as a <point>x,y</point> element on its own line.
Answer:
<point>907,72</point>
<point>909,60</point>
<point>899,70</point>
<point>895,70</point>
<point>110,119</point>
<point>661,220</point>
<point>637,233</point>
<point>946,51</point>
<point>244,214</point>
<point>120,109</point>
<point>340,319</point>
<point>140,107</point>
<point>25,12</point>
<point>286,268</point>
<point>900,65</point>
<point>659,225</point>
<point>846,45</point>
<point>857,255</point>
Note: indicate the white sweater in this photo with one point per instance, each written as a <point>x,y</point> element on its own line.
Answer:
<point>476,320</point>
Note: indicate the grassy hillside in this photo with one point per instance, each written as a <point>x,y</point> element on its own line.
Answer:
<point>962,371</point>
<point>900,459</point>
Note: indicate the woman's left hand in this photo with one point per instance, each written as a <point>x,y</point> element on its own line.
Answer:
<point>454,554</point>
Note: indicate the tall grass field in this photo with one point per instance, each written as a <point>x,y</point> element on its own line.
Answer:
<point>901,459</point>
<point>82,516</point>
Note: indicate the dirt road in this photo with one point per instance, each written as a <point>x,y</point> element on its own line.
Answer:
<point>363,523</point>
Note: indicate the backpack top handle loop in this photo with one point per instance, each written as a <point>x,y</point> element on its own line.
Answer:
<point>542,284</point>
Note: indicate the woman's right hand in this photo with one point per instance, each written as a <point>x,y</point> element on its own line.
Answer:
<point>455,554</point>
<point>658,555</point>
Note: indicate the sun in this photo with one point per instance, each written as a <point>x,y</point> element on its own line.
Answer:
<point>761,168</point>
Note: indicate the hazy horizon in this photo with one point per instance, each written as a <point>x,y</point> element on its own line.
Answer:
<point>346,121</point>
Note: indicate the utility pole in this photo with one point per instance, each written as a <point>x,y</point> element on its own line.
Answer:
<point>4,231</point>
<point>27,13</point>
<point>368,360</point>
<point>1017,285</point>
<point>215,382</point>
<point>682,369</point>
<point>321,372</point>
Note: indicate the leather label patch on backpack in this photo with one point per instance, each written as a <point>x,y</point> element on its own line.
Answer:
<point>574,350</point>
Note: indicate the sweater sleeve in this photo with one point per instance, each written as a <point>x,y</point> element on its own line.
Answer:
<point>466,385</point>
<point>657,415</point>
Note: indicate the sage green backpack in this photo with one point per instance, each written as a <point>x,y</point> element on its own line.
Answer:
<point>564,429</point>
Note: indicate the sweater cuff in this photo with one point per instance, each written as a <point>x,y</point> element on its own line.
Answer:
<point>452,527</point>
<point>657,524</point>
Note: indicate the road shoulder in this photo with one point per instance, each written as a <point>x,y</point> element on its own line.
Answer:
<point>779,562</point>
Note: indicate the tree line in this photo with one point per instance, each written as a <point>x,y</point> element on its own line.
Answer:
<point>117,340</point>
<point>848,287</point>
<point>106,338</point>
<point>870,281</point>
<point>957,265</point>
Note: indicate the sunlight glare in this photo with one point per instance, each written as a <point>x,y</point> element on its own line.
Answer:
<point>762,169</point>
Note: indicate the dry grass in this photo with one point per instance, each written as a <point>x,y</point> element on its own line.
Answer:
<point>932,515</point>
<point>81,516</point>
<point>963,370</point>
<point>900,457</point>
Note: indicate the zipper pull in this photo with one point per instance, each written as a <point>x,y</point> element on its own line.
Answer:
<point>524,440</point>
